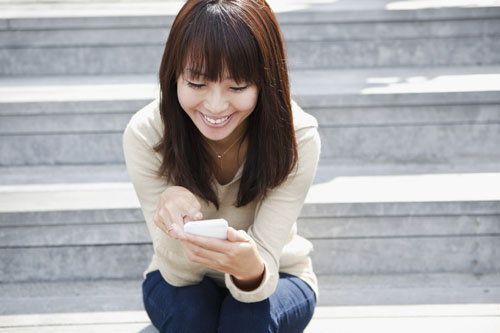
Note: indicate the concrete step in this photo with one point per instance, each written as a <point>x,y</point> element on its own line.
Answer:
<point>322,9</point>
<point>370,225</point>
<point>407,289</point>
<point>60,174</point>
<point>71,296</point>
<point>307,27</point>
<point>410,319</point>
<point>456,318</point>
<point>439,115</point>
<point>114,296</point>
<point>80,39</point>
<point>327,170</point>
<point>108,306</point>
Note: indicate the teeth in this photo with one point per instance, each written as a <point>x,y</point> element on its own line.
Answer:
<point>213,121</point>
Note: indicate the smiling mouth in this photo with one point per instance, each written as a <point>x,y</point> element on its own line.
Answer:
<point>215,121</point>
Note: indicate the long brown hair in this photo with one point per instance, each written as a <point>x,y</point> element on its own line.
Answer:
<point>243,37</point>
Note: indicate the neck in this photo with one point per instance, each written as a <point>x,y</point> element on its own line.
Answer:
<point>231,152</point>
<point>222,145</point>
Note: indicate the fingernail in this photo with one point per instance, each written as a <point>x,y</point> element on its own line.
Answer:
<point>198,216</point>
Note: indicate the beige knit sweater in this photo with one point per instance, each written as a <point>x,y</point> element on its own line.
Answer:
<point>271,223</point>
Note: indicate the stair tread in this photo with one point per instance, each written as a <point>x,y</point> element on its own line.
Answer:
<point>307,83</point>
<point>327,170</point>
<point>408,188</point>
<point>330,169</point>
<point>397,80</point>
<point>77,88</point>
<point>158,8</point>
<point>63,10</point>
<point>57,197</point>
<point>363,189</point>
<point>462,318</point>
<point>56,174</point>
<point>126,295</point>
<point>407,289</point>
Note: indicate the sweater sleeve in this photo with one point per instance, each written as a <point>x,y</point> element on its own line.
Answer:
<point>142,162</point>
<point>142,166</point>
<point>277,214</point>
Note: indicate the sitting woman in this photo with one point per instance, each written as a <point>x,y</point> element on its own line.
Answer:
<point>224,140</point>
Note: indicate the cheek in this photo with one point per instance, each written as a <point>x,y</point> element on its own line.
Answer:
<point>248,101</point>
<point>187,99</point>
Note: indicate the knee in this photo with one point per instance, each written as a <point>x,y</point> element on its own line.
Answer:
<point>236,316</point>
<point>190,317</point>
<point>183,309</point>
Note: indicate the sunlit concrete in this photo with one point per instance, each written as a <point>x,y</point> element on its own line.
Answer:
<point>78,88</point>
<point>437,84</point>
<point>109,8</point>
<point>484,318</point>
<point>379,81</point>
<point>423,4</point>
<point>25,198</point>
<point>408,188</point>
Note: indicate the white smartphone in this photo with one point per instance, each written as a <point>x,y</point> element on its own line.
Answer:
<point>216,228</point>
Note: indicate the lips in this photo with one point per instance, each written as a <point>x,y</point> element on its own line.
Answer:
<point>216,122</point>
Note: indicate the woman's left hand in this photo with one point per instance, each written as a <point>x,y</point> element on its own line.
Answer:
<point>237,256</point>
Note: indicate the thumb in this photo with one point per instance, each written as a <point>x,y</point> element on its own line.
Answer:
<point>195,217</point>
<point>234,235</point>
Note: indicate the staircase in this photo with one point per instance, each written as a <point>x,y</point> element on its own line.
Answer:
<point>405,207</point>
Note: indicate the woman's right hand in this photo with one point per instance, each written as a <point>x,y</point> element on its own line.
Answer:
<point>176,206</point>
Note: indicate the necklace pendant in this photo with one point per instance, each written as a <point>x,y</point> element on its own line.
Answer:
<point>219,156</point>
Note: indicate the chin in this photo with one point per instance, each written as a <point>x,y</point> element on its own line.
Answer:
<point>216,134</point>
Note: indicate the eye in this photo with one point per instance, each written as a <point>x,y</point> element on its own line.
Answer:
<point>195,85</point>
<point>238,88</point>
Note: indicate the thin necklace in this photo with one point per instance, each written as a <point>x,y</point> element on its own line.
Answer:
<point>220,156</point>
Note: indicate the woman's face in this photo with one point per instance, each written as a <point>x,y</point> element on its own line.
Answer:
<point>218,109</point>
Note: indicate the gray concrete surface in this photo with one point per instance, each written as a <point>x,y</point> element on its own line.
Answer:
<point>360,112</point>
<point>404,212</point>
<point>69,297</point>
<point>329,38</point>
<point>380,230</point>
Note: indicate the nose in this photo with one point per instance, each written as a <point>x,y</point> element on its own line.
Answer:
<point>216,101</point>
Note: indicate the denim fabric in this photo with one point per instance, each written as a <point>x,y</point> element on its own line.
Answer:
<point>206,307</point>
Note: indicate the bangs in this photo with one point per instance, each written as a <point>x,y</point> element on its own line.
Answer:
<point>218,44</point>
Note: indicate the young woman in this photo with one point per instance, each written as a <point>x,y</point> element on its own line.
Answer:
<point>224,140</point>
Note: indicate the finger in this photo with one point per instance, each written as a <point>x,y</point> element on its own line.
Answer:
<point>170,227</point>
<point>208,263</point>
<point>209,243</point>
<point>171,215</point>
<point>177,233</point>
<point>200,252</point>
<point>192,215</point>
<point>165,222</point>
<point>234,235</point>
<point>177,224</point>
<point>191,210</point>
<point>159,223</point>
<point>157,220</point>
<point>194,253</point>
<point>186,218</point>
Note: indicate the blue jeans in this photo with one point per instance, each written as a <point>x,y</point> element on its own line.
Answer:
<point>206,307</point>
